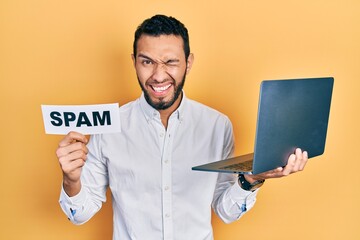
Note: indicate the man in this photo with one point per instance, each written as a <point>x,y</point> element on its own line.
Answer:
<point>147,166</point>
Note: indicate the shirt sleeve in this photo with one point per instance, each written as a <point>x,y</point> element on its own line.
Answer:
<point>230,201</point>
<point>94,181</point>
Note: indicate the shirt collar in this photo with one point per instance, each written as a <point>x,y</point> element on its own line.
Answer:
<point>151,112</point>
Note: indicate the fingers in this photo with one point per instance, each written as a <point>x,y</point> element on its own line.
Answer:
<point>72,154</point>
<point>290,165</point>
<point>72,137</point>
<point>300,161</point>
<point>72,166</point>
<point>73,147</point>
<point>304,161</point>
<point>296,162</point>
<point>72,142</point>
<point>275,173</point>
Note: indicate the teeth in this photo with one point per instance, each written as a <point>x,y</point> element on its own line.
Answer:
<point>161,89</point>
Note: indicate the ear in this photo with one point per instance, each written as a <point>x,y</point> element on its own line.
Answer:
<point>133,59</point>
<point>189,63</point>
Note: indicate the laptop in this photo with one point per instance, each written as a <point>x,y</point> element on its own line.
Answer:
<point>292,113</point>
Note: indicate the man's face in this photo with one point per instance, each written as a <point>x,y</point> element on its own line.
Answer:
<point>161,68</point>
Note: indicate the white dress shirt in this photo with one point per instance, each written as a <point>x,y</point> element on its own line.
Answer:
<point>155,193</point>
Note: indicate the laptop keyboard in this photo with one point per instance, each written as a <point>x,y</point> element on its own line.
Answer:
<point>243,166</point>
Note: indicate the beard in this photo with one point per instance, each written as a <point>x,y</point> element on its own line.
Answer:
<point>162,104</point>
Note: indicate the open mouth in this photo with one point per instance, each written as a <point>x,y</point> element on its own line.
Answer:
<point>160,89</point>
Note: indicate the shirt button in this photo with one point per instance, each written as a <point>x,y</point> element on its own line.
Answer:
<point>167,188</point>
<point>166,161</point>
<point>161,134</point>
<point>167,215</point>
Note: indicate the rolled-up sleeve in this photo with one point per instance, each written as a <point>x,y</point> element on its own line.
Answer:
<point>81,207</point>
<point>231,201</point>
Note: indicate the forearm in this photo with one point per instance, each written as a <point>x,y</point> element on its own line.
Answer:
<point>82,197</point>
<point>230,200</point>
<point>71,188</point>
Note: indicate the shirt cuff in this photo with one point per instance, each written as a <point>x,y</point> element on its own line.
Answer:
<point>245,200</point>
<point>238,193</point>
<point>72,206</point>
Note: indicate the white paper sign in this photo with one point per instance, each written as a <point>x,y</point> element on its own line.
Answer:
<point>86,119</point>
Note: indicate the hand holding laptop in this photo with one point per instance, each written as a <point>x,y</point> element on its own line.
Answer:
<point>296,163</point>
<point>293,114</point>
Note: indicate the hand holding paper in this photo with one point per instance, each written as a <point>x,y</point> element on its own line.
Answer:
<point>74,121</point>
<point>72,153</point>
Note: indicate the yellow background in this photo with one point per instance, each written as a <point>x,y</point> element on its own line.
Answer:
<point>78,52</point>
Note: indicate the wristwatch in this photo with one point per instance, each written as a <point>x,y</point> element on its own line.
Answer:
<point>244,184</point>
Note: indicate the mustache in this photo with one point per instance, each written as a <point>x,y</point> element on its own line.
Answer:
<point>154,81</point>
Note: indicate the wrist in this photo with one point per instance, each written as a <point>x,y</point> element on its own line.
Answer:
<point>249,178</point>
<point>71,188</point>
<point>248,183</point>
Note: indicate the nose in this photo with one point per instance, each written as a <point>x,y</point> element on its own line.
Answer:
<point>160,73</point>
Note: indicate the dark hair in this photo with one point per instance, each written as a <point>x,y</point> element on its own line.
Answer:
<point>163,25</point>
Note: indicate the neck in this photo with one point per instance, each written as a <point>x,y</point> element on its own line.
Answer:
<point>166,113</point>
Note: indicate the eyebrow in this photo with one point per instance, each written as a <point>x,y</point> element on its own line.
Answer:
<point>149,58</point>
<point>173,60</point>
<point>146,57</point>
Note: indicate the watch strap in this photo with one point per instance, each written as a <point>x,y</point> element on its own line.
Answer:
<point>244,184</point>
